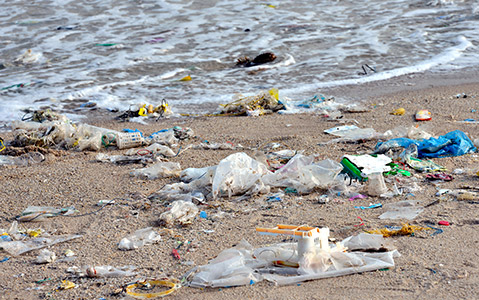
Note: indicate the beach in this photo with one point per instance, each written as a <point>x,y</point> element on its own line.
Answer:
<point>442,265</point>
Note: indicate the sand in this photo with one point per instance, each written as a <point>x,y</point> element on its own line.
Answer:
<point>440,266</point>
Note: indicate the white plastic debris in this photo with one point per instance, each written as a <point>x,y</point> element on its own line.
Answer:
<point>46,256</point>
<point>238,174</point>
<point>158,170</point>
<point>408,209</point>
<point>181,212</point>
<point>303,174</point>
<point>139,239</point>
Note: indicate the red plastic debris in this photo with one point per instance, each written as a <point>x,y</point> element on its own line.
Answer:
<point>445,223</point>
<point>175,254</point>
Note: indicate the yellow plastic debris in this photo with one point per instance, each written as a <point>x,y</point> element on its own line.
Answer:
<point>66,285</point>
<point>186,78</point>
<point>168,283</point>
<point>405,230</point>
<point>398,112</point>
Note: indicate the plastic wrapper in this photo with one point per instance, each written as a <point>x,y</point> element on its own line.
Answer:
<point>40,213</point>
<point>158,170</point>
<point>139,239</point>
<point>238,174</point>
<point>302,174</point>
<point>408,209</point>
<point>46,256</point>
<point>190,174</point>
<point>181,212</point>
<point>364,241</point>
<point>16,248</point>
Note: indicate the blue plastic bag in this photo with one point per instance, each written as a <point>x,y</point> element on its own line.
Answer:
<point>454,143</point>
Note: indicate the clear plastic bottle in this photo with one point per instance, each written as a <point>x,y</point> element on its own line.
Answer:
<point>109,271</point>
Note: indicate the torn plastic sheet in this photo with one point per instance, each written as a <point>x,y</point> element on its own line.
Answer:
<point>15,248</point>
<point>370,262</point>
<point>243,265</point>
<point>407,209</point>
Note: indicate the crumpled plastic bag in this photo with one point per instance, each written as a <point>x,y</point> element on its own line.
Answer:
<point>303,174</point>
<point>139,239</point>
<point>181,212</point>
<point>238,174</point>
<point>454,143</point>
<point>158,170</point>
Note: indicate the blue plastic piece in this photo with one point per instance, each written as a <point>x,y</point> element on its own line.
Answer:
<point>131,130</point>
<point>454,143</point>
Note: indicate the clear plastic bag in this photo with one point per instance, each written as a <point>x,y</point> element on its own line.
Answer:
<point>139,239</point>
<point>158,170</point>
<point>302,174</point>
<point>238,174</point>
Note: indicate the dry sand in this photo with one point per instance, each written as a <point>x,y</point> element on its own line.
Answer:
<point>442,266</point>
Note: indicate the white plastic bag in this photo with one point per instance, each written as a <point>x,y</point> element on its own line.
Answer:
<point>238,174</point>
<point>139,239</point>
<point>158,170</point>
<point>181,212</point>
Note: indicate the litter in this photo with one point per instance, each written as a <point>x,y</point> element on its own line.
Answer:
<point>407,209</point>
<point>40,213</point>
<point>148,285</point>
<point>290,263</point>
<point>376,185</point>
<point>439,176</point>
<point>46,256</point>
<point>158,170</point>
<point>406,229</point>
<point>264,103</point>
<point>359,167</point>
<point>109,271</point>
<point>398,112</point>
<point>377,205</point>
<point>444,223</point>
<point>181,212</point>
<point>454,143</point>
<point>16,248</point>
<point>139,238</point>
<point>423,115</point>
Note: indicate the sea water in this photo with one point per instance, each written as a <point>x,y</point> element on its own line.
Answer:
<point>112,54</point>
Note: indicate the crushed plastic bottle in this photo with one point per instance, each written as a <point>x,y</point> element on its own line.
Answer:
<point>109,271</point>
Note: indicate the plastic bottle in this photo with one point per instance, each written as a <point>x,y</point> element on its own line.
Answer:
<point>109,271</point>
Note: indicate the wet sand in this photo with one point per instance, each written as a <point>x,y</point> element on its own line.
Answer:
<point>431,266</point>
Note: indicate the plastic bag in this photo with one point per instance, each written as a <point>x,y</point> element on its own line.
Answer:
<point>139,239</point>
<point>238,174</point>
<point>159,170</point>
<point>303,175</point>
<point>16,248</point>
<point>153,149</point>
<point>454,143</point>
<point>181,212</point>
<point>407,209</point>
<point>46,256</point>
